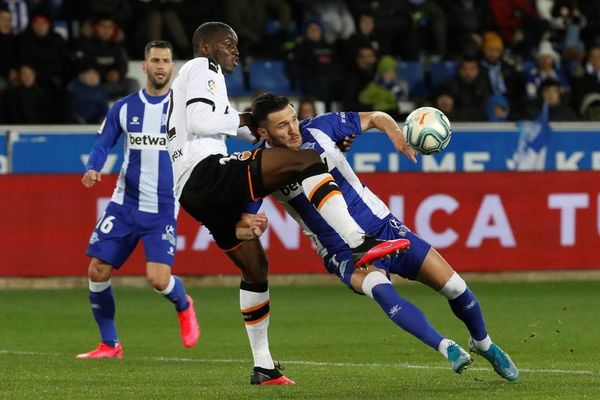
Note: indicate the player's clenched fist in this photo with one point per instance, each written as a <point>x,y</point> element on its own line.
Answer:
<point>251,226</point>
<point>90,178</point>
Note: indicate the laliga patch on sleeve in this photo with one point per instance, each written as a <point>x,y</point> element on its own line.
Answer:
<point>211,86</point>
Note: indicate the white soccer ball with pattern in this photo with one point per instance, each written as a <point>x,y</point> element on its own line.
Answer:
<point>427,130</point>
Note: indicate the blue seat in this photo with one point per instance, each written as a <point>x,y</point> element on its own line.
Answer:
<point>235,82</point>
<point>269,75</point>
<point>414,74</point>
<point>440,72</point>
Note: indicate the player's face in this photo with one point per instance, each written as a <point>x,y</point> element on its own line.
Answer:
<point>224,50</point>
<point>158,67</point>
<point>282,129</point>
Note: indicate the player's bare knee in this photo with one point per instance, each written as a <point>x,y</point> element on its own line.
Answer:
<point>158,281</point>
<point>99,271</point>
<point>256,273</point>
<point>357,279</point>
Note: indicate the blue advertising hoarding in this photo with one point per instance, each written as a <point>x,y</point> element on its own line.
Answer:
<point>59,152</point>
<point>3,152</point>
<point>478,150</point>
<point>473,148</point>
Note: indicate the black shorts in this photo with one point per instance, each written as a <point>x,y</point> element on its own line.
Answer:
<point>217,194</point>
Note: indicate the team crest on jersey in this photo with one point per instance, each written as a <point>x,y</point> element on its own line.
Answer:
<point>238,155</point>
<point>169,235</point>
<point>212,86</point>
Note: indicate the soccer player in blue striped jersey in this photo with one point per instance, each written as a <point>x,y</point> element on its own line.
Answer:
<point>142,206</point>
<point>217,188</point>
<point>279,127</point>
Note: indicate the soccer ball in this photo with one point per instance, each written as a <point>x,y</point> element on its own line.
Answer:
<point>427,130</point>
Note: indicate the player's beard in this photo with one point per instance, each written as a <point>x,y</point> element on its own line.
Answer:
<point>158,85</point>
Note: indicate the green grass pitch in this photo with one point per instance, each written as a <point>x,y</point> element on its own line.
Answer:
<point>335,344</point>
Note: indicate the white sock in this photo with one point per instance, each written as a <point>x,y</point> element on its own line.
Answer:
<point>255,309</point>
<point>484,344</point>
<point>326,196</point>
<point>169,287</point>
<point>443,347</point>
<point>98,287</point>
<point>454,287</point>
<point>373,279</point>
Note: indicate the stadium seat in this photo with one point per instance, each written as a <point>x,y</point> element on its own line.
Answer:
<point>414,74</point>
<point>441,72</point>
<point>235,82</point>
<point>269,75</point>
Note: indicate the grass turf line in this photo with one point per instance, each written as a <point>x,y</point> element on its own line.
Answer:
<point>338,345</point>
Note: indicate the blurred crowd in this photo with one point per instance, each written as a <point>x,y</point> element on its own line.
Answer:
<point>64,61</point>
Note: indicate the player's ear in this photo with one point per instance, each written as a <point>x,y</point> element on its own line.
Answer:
<point>203,49</point>
<point>145,67</point>
<point>262,132</point>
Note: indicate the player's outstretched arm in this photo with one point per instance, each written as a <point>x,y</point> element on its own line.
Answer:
<point>90,178</point>
<point>384,122</point>
<point>251,226</point>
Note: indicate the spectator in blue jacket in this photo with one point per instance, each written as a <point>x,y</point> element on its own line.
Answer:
<point>88,96</point>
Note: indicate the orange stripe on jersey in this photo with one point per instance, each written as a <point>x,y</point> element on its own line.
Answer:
<point>255,153</point>
<point>256,321</point>
<point>250,309</point>
<point>323,182</point>
<point>250,184</point>
<point>333,193</point>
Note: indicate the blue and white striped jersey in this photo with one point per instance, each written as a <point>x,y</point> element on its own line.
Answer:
<point>321,133</point>
<point>146,178</point>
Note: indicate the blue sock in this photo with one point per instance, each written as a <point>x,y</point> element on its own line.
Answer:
<point>176,294</point>
<point>467,309</point>
<point>103,308</point>
<point>406,315</point>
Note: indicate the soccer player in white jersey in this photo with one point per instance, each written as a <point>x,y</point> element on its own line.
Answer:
<point>143,205</point>
<point>216,189</point>
<point>279,127</point>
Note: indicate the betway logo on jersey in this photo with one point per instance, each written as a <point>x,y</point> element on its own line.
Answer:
<point>147,141</point>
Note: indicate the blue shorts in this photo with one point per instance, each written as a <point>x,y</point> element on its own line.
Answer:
<point>120,229</point>
<point>406,265</point>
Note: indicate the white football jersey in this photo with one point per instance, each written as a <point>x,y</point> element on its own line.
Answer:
<point>199,117</point>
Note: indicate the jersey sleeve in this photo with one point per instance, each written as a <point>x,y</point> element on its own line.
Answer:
<point>337,125</point>
<point>203,115</point>
<point>245,134</point>
<point>108,134</point>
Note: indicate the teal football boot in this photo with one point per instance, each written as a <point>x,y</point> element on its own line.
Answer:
<point>501,362</point>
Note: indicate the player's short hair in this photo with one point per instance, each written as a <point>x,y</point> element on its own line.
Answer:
<point>206,33</point>
<point>267,103</point>
<point>161,44</point>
